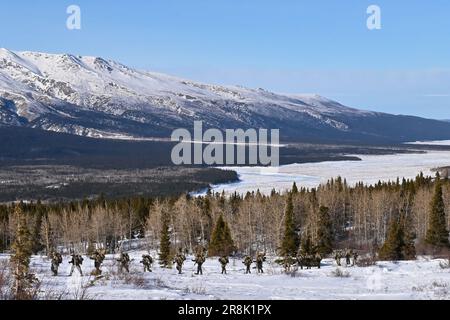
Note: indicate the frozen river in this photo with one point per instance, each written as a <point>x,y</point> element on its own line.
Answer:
<point>370,170</point>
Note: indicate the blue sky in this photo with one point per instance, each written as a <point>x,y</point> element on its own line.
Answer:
<point>297,46</point>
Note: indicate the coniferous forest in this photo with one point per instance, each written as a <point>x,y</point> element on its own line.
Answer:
<point>396,220</point>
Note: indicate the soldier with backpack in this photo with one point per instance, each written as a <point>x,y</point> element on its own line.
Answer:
<point>199,260</point>
<point>124,261</point>
<point>147,261</point>
<point>223,262</point>
<point>76,261</point>
<point>248,263</point>
<point>179,260</point>
<point>260,258</point>
<point>56,261</point>
<point>98,257</point>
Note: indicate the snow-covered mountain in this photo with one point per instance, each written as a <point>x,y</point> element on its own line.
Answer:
<point>94,97</point>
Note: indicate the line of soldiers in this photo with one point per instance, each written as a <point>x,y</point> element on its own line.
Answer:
<point>351,257</point>
<point>302,260</point>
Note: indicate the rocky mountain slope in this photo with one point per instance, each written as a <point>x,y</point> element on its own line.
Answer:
<point>90,96</point>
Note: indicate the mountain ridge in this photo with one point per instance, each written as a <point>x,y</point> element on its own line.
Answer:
<point>95,97</point>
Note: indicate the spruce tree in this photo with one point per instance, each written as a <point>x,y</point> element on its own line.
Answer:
<point>290,243</point>
<point>392,247</point>
<point>324,232</point>
<point>20,261</point>
<point>294,188</point>
<point>399,244</point>
<point>306,247</point>
<point>409,248</point>
<point>221,243</point>
<point>165,253</point>
<point>437,234</point>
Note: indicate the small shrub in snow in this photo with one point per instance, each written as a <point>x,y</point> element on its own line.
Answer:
<point>366,262</point>
<point>199,290</point>
<point>135,279</point>
<point>339,273</point>
<point>158,282</point>
<point>437,284</point>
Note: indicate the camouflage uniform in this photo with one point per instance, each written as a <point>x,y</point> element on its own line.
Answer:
<point>56,261</point>
<point>260,258</point>
<point>124,262</point>
<point>348,254</point>
<point>338,257</point>
<point>179,260</point>
<point>223,262</point>
<point>248,263</point>
<point>355,258</point>
<point>317,260</point>
<point>147,261</point>
<point>77,261</point>
<point>199,260</point>
<point>98,258</point>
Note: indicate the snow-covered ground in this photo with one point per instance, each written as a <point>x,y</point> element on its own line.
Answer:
<point>370,170</point>
<point>421,279</point>
<point>432,143</point>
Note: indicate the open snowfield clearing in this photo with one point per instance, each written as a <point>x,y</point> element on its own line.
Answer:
<point>421,279</point>
<point>370,170</point>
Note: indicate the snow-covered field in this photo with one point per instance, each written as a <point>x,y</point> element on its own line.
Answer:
<point>421,279</point>
<point>370,170</point>
<point>432,143</point>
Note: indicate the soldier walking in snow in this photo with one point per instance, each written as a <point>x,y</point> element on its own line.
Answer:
<point>179,260</point>
<point>260,258</point>
<point>223,262</point>
<point>199,260</point>
<point>147,261</point>
<point>248,263</point>
<point>355,258</point>
<point>338,257</point>
<point>348,254</point>
<point>98,258</point>
<point>77,261</point>
<point>124,261</point>
<point>56,261</point>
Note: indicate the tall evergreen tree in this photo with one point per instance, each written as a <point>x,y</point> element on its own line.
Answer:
<point>324,232</point>
<point>392,247</point>
<point>165,252</point>
<point>399,244</point>
<point>36,230</point>
<point>437,234</point>
<point>221,243</point>
<point>294,188</point>
<point>306,247</point>
<point>20,260</point>
<point>290,243</point>
<point>409,248</point>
